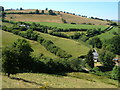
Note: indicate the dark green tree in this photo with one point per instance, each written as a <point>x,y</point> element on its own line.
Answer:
<point>10,60</point>
<point>114,45</point>
<point>46,9</point>
<point>17,57</point>
<point>37,11</point>
<point>95,42</point>
<point>42,11</point>
<point>89,59</point>
<point>21,8</point>
<point>116,73</point>
<point>106,57</point>
<point>51,12</point>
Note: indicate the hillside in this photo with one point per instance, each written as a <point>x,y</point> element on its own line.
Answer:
<point>72,47</point>
<point>35,45</point>
<point>72,80</point>
<point>78,19</point>
<point>49,18</point>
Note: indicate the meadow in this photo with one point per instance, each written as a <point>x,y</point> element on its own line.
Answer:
<point>72,47</point>
<point>108,35</point>
<point>70,80</point>
<point>8,38</point>
<point>75,26</point>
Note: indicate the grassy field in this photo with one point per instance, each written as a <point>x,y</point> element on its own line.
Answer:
<point>8,38</point>
<point>77,26</point>
<point>72,47</point>
<point>78,19</point>
<point>33,18</point>
<point>108,35</point>
<point>72,80</point>
<point>68,17</point>
<point>73,32</point>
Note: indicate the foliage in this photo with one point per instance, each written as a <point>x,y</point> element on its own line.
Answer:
<point>116,73</point>
<point>89,59</point>
<point>114,45</point>
<point>37,11</point>
<point>96,42</point>
<point>51,12</point>
<point>10,61</point>
<point>106,57</point>
<point>16,57</point>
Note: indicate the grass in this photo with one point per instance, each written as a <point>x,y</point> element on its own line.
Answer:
<point>77,26</point>
<point>73,80</point>
<point>73,32</point>
<point>68,17</point>
<point>8,38</point>
<point>108,35</point>
<point>70,46</point>
<point>78,19</point>
<point>33,18</point>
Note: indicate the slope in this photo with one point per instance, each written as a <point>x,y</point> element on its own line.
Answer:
<point>8,38</point>
<point>72,47</point>
<point>35,80</point>
<point>49,18</point>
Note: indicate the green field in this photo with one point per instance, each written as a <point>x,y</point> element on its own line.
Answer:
<point>108,35</point>
<point>73,32</point>
<point>8,38</point>
<point>72,80</point>
<point>72,47</point>
<point>67,26</point>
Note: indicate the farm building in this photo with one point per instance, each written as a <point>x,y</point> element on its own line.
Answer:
<point>95,55</point>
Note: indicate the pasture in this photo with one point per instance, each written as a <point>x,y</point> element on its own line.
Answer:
<point>108,35</point>
<point>8,38</point>
<point>70,46</point>
<point>71,80</point>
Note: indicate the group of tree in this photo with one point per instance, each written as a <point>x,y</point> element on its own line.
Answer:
<point>30,34</point>
<point>17,58</point>
<point>96,42</point>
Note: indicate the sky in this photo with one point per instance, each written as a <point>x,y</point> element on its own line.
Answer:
<point>100,9</point>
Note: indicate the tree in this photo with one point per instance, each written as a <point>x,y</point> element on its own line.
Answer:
<point>114,45</point>
<point>106,57</point>
<point>21,9</point>
<point>42,12</point>
<point>89,59</point>
<point>37,11</point>
<point>46,9</point>
<point>51,12</point>
<point>16,58</point>
<point>1,8</point>
<point>96,42</point>
<point>10,60</point>
<point>116,73</point>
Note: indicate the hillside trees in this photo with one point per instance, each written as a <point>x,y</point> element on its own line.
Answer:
<point>96,42</point>
<point>106,57</point>
<point>42,11</point>
<point>89,59</point>
<point>116,73</point>
<point>114,45</point>
<point>51,12</point>
<point>16,58</point>
<point>37,11</point>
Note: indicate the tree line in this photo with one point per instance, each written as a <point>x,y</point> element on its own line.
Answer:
<point>30,34</point>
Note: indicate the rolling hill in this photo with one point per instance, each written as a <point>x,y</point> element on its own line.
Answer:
<point>49,18</point>
<point>38,48</point>
<point>72,47</point>
<point>72,80</point>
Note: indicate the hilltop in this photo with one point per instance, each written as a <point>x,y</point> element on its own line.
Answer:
<point>60,17</point>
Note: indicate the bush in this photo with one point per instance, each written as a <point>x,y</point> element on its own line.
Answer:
<point>116,73</point>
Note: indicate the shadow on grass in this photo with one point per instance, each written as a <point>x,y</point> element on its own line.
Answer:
<point>20,79</point>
